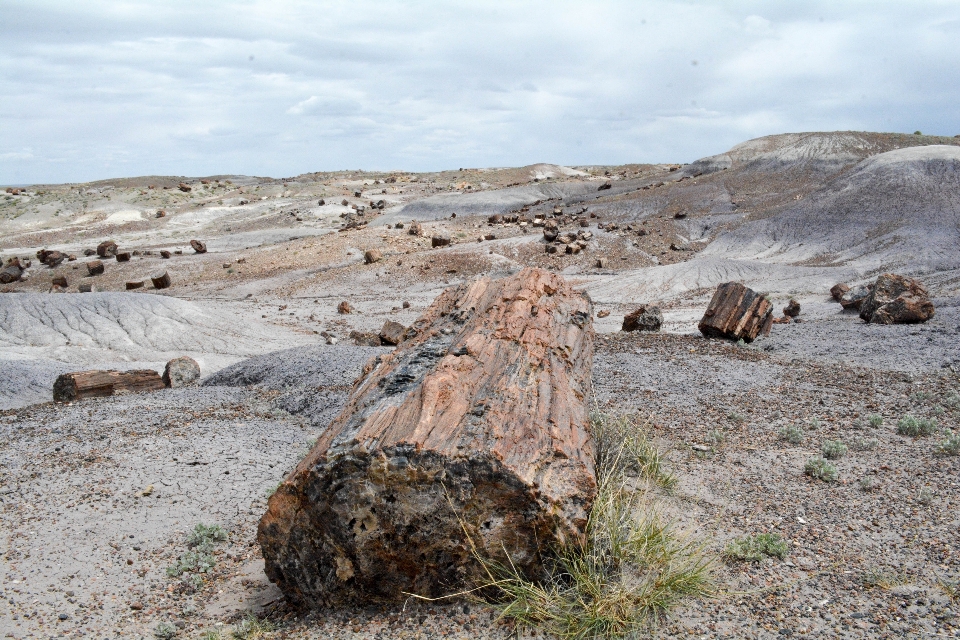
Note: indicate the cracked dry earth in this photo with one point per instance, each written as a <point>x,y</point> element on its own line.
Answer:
<point>871,555</point>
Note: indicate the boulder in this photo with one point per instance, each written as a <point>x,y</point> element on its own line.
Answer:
<point>737,312</point>
<point>837,291</point>
<point>792,310</point>
<point>440,240</point>
<point>897,299</point>
<point>123,256</point>
<point>95,267</point>
<point>551,230</point>
<point>471,434</point>
<point>365,339</point>
<point>107,249</point>
<point>643,318</point>
<point>180,372</point>
<point>372,255</point>
<point>854,297</point>
<point>198,247</point>
<point>392,333</point>
<point>184,187</point>
<point>11,272</point>
<point>51,258</point>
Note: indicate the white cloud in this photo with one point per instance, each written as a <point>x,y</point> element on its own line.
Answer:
<point>102,88</point>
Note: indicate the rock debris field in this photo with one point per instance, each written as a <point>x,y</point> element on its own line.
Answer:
<point>101,497</point>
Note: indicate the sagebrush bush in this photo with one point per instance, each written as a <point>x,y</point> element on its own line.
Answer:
<point>864,444</point>
<point>755,548</point>
<point>833,449</point>
<point>792,434</point>
<point>820,469</point>
<point>916,427</point>
<point>950,445</point>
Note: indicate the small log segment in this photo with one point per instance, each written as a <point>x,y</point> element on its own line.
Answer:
<point>476,425</point>
<point>161,280</point>
<point>97,384</point>
<point>737,312</point>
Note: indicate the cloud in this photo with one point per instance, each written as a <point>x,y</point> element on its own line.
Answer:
<point>102,88</point>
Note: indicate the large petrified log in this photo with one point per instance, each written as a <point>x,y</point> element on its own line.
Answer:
<point>96,384</point>
<point>737,312</point>
<point>897,299</point>
<point>473,431</point>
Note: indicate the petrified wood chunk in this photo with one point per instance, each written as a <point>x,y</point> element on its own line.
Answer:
<point>737,312</point>
<point>107,249</point>
<point>474,426</point>
<point>95,384</point>
<point>161,280</point>
<point>897,299</point>
<point>95,267</point>
<point>198,247</point>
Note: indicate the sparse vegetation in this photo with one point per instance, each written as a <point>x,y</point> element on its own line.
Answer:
<point>792,434</point>
<point>916,427</point>
<point>874,578</point>
<point>950,445</point>
<point>833,449</point>
<point>756,548</point>
<point>864,444</point>
<point>715,437</point>
<point>199,556</point>
<point>632,568</point>
<point>925,495</point>
<point>867,483</point>
<point>738,418</point>
<point>164,631</point>
<point>820,469</point>
<point>875,420</point>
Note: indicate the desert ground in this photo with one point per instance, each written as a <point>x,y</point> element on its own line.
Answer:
<point>99,495</point>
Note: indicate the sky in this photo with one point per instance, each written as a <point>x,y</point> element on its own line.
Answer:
<point>95,89</point>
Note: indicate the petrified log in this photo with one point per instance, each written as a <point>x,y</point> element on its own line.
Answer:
<point>440,240</point>
<point>98,384</point>
<point>161,280</point>
<point>372,255</point>
<point>107,249</point>
<point>95,267</point>
<point>12,271</point>
<point>180,372</point>
<point>472,432</point>
<point>134,284</point>
<point>737,312</point>
<point>643,318</point>
<point>897,299</point>
<point>198,247</point>
<point>123,256</point>
<point>837,291</point>
<point>392,333</point>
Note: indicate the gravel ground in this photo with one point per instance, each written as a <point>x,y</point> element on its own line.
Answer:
<point>85,552</point>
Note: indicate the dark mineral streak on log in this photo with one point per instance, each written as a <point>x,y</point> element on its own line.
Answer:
<point>477,422</point>
<point>737,312</point>
<point>97,384</point>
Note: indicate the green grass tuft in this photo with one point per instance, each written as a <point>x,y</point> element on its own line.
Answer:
<point>833,449</point>
<point>950,445</point>
<point>632,567</point>
<point>756,548</point>
<point>792,434</point>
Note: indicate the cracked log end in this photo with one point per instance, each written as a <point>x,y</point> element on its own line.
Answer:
<point>472,432</point>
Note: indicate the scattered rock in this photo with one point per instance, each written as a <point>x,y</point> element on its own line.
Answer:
<point>107,249</point>
<point>184,187</point>
<point>643,318</point>
<point>372,255</point>
<point>792,310</point>
<point>164,254</point>
<point>601,263</point>
<point>440,240</point>
<point>85,287</point>
<point>415,229</point>
<point>551,230</point>
<point>134,284</point>
<point>344,308</point>
<point>89,252</point>
<point>405,305</point>
<point>180,372</point>
<point>483,412</point>
<point>59,281</point>
<point>604,186</point>
<point>95,267</point>
<point>123,256</point>
<point>603,313</point>
<point>161,280</point>
<point>198,247</point>
<point>12,271</point>
<point>854,297</point>
<point>365,339</point>
<point>161,213</point>
<point>738,313</point>
<point>392,332</point>
<point>50,258</point>
<point>837,291</point>
<point>897,299</point>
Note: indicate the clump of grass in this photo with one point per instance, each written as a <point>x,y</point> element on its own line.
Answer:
<point>867,484</point>
<point>756,548</point>
<point>715,437</point>
<point>199,556</point>
<point>792,434</point>
<point>833,449</point>
<point>916,427</point>
<point>925,495</point>
<point>252,628</point>
<point>864,444</point>
<point>952,401</point>
<point>879,578</point>
<point>622,447</point>
<point>875,420</point>
<point>950,587</point>
<point>630,569</point>
<point>820,469</point>
<point>950,445</point>
<point>164,631</point>
<point>736,417</point>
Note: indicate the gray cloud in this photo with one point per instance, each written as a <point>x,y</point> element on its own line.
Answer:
<point>101,89</point>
